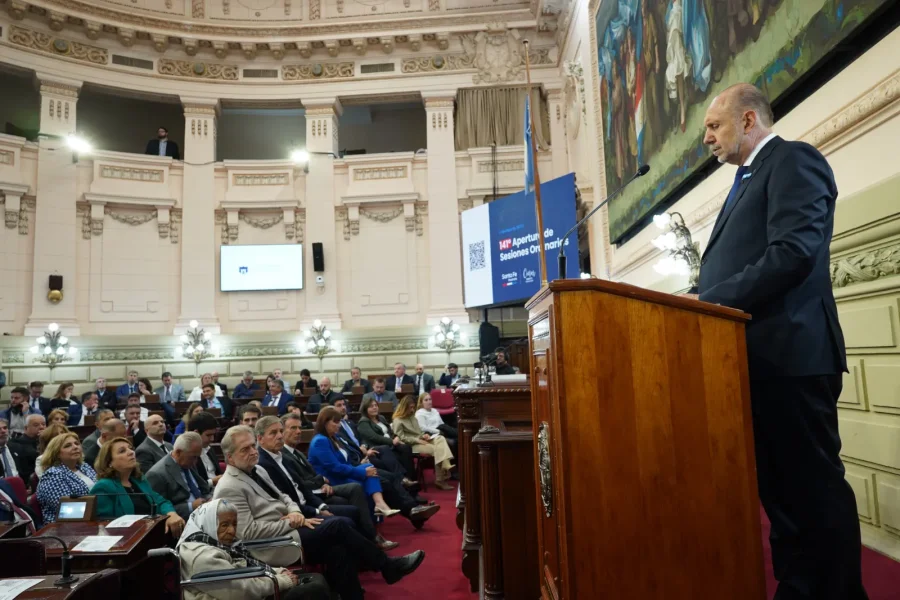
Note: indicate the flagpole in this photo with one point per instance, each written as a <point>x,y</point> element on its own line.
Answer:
<point>534,170</point>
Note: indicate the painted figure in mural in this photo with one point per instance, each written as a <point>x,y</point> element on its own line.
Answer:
<point>654,109</point>
<point>687,51</point>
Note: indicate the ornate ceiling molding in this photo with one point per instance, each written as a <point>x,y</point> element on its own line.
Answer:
<point>56,46</point>
<point>197,70</point>
<point>342,70</point>
<point>864,266</point>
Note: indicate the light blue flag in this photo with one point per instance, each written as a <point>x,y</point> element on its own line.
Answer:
<point>529,155</point>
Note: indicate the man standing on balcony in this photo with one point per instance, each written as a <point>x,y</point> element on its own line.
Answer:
<point>162,145</point>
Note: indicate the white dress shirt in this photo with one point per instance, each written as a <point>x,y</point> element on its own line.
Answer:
<point>759,147</point>
<point>197,393</point>
<point>162,147</point>
<point>399,385</point>
<point>208,465</point>
<point>144,414</point>
<point>429,420</point>
<point>275,400</point>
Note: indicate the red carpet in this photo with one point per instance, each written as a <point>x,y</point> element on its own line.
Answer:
<point>439,577</point>
<point>881,575</point>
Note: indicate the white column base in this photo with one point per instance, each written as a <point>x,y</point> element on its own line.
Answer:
<point>38,326</point>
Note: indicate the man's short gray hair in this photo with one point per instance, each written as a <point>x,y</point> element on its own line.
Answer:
<point>263,424</point>
<point>290,417</point>
<point>745,96</point>
<point>228,443</point>
<point>248,373</point>
<point>33,417</point>
<point>401,364</point>
<point>4,422</point>
<point>186,441</point>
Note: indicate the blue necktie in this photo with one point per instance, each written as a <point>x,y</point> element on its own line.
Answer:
<point>738,178</point>
<point>192,485</point>
<point>349,432</point>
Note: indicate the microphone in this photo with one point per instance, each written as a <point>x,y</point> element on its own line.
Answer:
<point>561,259</point>
<point>65,561</point>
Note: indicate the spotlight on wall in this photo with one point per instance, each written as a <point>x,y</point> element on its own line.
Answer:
<point>317,340</point>
<point>300,156</point>
<point>53,347</point>
<point>78,144</point>
<point>196,344</point>
<point>683,256</point>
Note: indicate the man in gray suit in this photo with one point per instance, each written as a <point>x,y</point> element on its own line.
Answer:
<point>379,393</point>
<point>90,442</point>
<point>154,448</point>
<point>424,381</point>
<point>264,511</point>
<point>176,478</point>
<point>168,393</point>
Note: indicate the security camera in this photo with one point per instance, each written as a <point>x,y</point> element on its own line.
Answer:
<point>320,280</point>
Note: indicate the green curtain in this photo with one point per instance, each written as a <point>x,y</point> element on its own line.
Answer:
<point>486,116</point>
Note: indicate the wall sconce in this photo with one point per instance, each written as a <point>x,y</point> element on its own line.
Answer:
<point>683,256</point>
<point>318,339</point>
<point>196,344</point>
<point>53,347</point>
<point>447,336</point>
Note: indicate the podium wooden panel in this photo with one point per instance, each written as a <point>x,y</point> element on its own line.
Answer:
<point>644,466</point>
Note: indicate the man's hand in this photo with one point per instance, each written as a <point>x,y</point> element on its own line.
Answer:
<point>371,472</point>
<point>311,523</point>
<point>371,452</point>
<point>325,479</point>
<point>294,519</point>
<point>364,448</point>
<point>198,503</point>
<point>293,576</point>
<point>691,296</point>
<point>327,490</point>
<point>216,479</point>
<point>325,513</point>
<point>397,441</point>
<point>426,437</point>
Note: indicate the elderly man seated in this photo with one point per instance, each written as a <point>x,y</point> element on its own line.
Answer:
<point>265,512</point>
<point>175,477</point>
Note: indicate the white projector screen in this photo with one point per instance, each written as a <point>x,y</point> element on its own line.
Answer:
<point>261,268</point>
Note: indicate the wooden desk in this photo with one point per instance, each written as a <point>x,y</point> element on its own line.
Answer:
<point>12,531</point>
<point>45,590</point>
<point>131,549</point>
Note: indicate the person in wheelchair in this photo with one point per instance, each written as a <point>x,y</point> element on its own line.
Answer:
<point>208,544</point>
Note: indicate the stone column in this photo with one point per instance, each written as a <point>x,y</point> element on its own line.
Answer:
<point>198,228</point>
<point>322,145</point>
<point>56,225</point>
<point>444,239</point>
<point>559,153</point>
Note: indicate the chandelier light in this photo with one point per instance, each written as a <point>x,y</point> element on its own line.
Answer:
<point>52,347</point>
<point>197,344</point>
<point>682,253</point>
<point>317,340</point>
<point>447,335</point>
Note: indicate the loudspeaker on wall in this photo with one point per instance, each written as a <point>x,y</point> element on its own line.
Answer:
<point>318,257</point>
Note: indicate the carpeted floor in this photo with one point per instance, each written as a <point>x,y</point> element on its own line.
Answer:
<point>439,577</point>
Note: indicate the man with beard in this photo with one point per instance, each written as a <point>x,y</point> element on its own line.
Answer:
<point>162,145</point>
<point>18,412</point>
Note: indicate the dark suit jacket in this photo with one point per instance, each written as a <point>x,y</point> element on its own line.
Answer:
<point>446,381</point>
<point>216,468</point>
<point>287,487</point>
<point>390,383</point>
<point>223,387</point>
<point>242,391</point>
<point>315,403</point>
<point>107,400</point>
<point>312,383</point>
<point>27,449</point>
<point>167,480</point>
<point>43,405</point>
<point>149,453</point>
<point>307,472</point>
<point>171,149</point>
<point>348,386</point>
<point>6,513</point>
<point>282,402</point>
<point>768,255</point>
<point>427,383</point>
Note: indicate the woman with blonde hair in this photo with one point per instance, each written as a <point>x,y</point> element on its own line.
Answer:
<point>405,425</point>
<point>57,416</point>
<point>122,490</point>
<point>65,474</point>
<point>44,439</point>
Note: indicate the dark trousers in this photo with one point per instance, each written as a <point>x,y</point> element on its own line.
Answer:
<point>310,586</point>
<point>353,495</point>
<point>816,548</point>
<point>341,548</point>
<point>386,460</point>
<point>404,455</point>
<point>394,493</point>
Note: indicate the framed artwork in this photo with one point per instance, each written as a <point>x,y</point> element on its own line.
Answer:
<point>661,62</point>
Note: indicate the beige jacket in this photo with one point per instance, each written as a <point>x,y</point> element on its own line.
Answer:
<point>259,516</point>
<point>408,430</point>
<point>197,558</point>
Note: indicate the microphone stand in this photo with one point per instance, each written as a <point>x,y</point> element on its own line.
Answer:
<point>65,561</point>
<point>561,258</point>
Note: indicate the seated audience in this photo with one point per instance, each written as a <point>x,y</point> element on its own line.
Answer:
<point>162,145</point>
<point>18,412</point>
<point>450,378</point>
<point>154,447</point>
<point>110,430</point>
<point>374,432</point>
<point>222,386</point>
<point>121,490</point>
<point>36,398</point>
<point>246,388</point>
<point>193,409</point>
<point>277,397</point>
<point>90,441</point>
<point>407,428</point>
<point>206,426</point>
<point>206,545</point>
<point>134,401</point>
<point>63,398</point>
<point>89,407</point>
<point>169,393</point>
<point>175,477</point>
<point>265,512</point>
<point>129,387</point>
<point>208,397</point>
<point>431,422</point>
<point>381,394</point>
<point>10,461</point>
<point>356,380</point>
<point>105,396</point>
<point>382,457</point>
<point>58,416</point>
<point>295,409</point>
<point>396,381</point>
<point>277,374</point>
<point>26,446</point>
<point>46,437</point>
<point>14,511</point>
<point>250,414</point>
<point>145,389</point>
<point>326,395</point>
<point>65,474</point>
<point>501,366</point>
<point>257,403</point>
<point>424,382</point>
<point>197,392</point>
<point>306,381</point>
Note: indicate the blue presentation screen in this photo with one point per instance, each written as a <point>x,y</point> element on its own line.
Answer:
<point>501,263</point>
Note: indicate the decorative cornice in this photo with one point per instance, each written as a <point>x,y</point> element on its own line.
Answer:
<point>130,219</point>
<point>35,40</point>
<point>260,179</point>
<point>262,223</point>
<point>131,174</point>
<point>342,70</point>
<point>383,346</point>
<point>369,174</point>
<point>517,164</point>
<point>199,110</point>
<point>197,70</point>
<point>381,217</point>
<point>867,265</point>
<point>118,355</point>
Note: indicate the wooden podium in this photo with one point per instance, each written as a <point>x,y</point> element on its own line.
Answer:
<point>644,466</point>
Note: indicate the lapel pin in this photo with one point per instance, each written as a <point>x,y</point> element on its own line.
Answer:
<point>746,176</point>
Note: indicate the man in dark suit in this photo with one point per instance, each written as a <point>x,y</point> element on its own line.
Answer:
<point>89,407</point>
<point>501,364</point>
<point>90,442</point>
<point>399,378</point>
<point>451,376</point>
<point>26,445</point>
<point>206,426</point>
<point>306,381</point>
<point>424,382</point>
<point>105,396</point>
<point>129,387</point>
<point>162,145</point>
<point>768,255</point>
<point>111,429</point>
<point>134,425</point>
<point>154,448</point>
<point>356,380</point>
<point>36,398</point>
<point>175,476</point>
<point>222,385</point>
<point>326,395</point>
<point>12,509</point>
<point>10,461</point>
<point>246,387</point>
<point>277,397</point>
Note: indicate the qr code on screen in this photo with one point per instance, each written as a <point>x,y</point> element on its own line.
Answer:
<point>476,256</point>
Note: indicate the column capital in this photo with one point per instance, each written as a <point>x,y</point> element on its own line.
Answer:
<point>554,91</point>
<point>439,100</point>
<point>198,107</point>
<point>323,107</point>
<point>59,87</point>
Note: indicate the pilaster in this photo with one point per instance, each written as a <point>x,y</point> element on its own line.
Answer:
<point>198,242</point>
<point>322,145</point>
<point>559,153</point>
<point>55,220</point>
<point>444,252</point>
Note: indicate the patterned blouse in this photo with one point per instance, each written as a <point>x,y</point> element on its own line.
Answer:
<point>57,483</point>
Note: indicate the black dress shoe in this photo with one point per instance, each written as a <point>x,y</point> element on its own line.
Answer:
<point>420,500</point>
<point>423,513</point>
<point>398,568</point>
